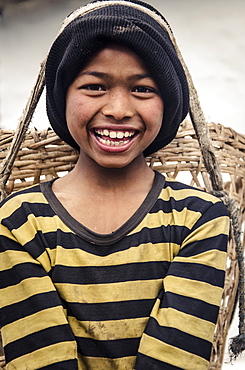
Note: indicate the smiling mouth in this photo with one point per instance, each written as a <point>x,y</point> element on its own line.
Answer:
<point>114,138</point>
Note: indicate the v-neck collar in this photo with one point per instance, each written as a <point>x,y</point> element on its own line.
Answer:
<point>103,239</point>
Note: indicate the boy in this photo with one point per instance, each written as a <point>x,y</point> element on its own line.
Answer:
<point>112,266</point>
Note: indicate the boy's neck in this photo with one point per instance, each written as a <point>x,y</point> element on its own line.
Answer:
<point>112,179</point>
<point>103,199</point>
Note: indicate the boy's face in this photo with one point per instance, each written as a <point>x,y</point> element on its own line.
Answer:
<point>113,108</point>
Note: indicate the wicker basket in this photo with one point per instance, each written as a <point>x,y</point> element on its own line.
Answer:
<point>43,156</point>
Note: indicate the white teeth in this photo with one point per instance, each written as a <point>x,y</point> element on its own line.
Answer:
<point>115,134</point>
<point>120,135</point>
<point>112,143</point>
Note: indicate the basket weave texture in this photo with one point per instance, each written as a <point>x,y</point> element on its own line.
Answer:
<point>43,155</point>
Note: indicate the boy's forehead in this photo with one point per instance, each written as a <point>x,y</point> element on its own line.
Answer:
<point>122,54</point>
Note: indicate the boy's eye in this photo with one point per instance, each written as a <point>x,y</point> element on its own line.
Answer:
<point>93,87</point>
<point>143,89</point>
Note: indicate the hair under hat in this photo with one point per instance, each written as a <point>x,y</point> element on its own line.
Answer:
<point>138,26</point>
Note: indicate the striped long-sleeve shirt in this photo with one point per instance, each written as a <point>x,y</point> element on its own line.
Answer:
<point>143,297</point>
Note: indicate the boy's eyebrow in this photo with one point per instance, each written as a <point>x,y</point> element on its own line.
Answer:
<point>93,73</point>
<point>140,76</point>
<point>137,76</point>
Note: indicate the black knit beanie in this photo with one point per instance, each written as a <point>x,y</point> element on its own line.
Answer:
<point>138,26</point>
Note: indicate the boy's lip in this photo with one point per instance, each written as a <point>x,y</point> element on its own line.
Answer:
<point>114,140</point>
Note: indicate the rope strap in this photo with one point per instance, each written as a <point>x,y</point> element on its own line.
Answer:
<point>237,344</point>
<point>8,161</point>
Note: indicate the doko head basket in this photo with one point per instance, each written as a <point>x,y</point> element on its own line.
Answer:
<point>43,155</point>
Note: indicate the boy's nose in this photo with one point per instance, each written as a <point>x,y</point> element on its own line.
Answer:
<point>118,106</point>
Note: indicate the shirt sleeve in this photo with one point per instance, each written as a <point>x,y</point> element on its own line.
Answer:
<point>180,330</point>
<point>35,331</point>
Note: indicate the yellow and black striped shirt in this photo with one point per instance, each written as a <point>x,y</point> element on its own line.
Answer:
<point>143,297</point>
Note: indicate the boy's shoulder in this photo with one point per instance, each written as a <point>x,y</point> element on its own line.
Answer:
<point>181,190</point>
<point>28,194</point>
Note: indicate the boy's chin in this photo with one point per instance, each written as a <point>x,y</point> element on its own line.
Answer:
<point>118,164</point>
<point>115,166</point>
